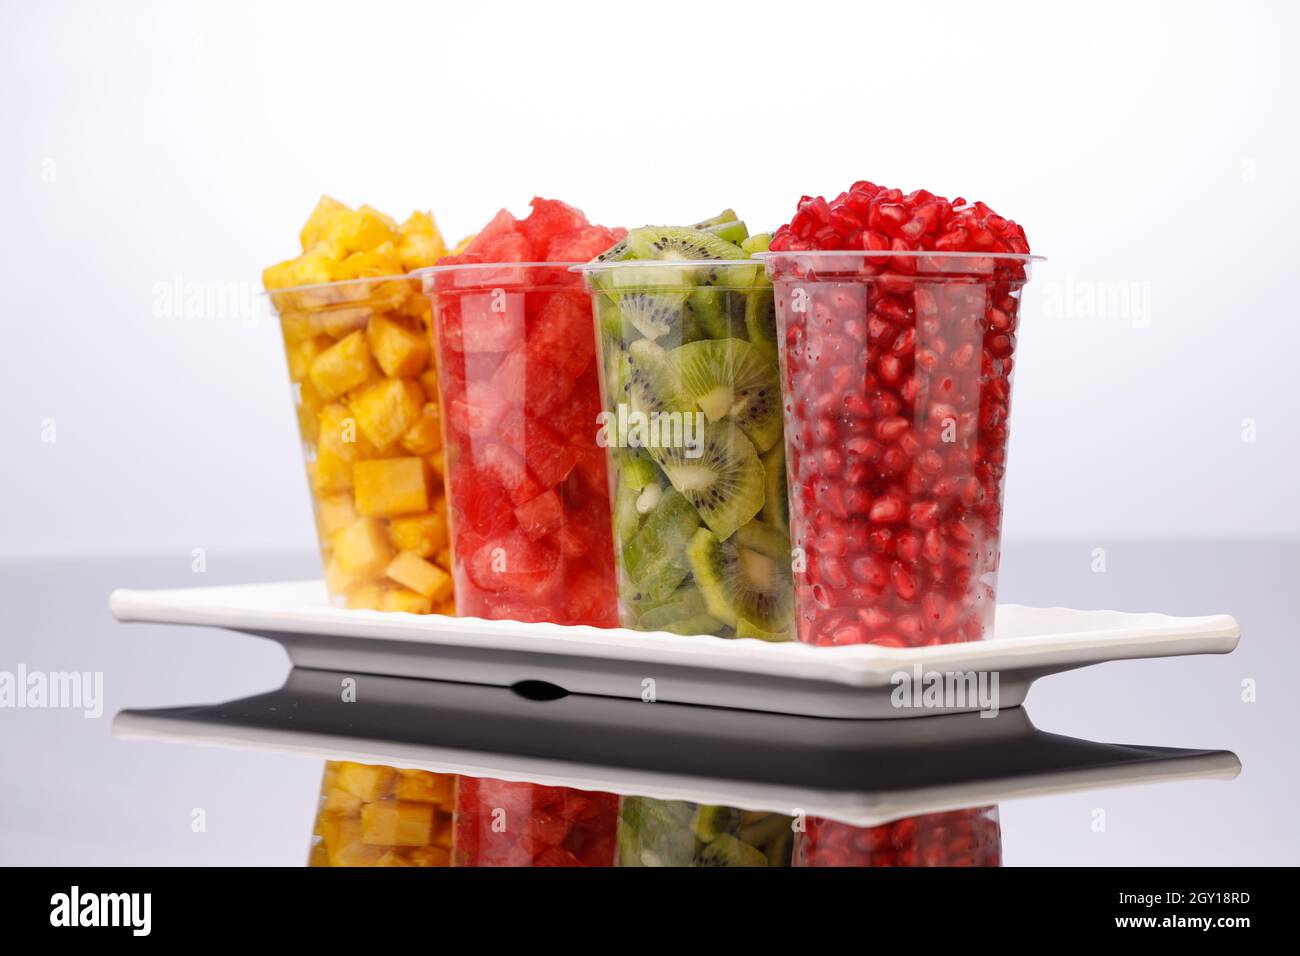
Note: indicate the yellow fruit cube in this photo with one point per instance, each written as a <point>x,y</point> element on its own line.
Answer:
<point>425,787</point>
<point>368,781</point>
<point>334,513</point>
<point>400,599</point>
<point>337,582</point>
<point>386,409</point>
<point>446,607</point>
<point>429,381</point>
<point>420,249</point>
<point>339,434</point>
<point>297,325</point>
<point>399,351</point>
<point>443,560</point>
<point>318,856</point>
<point>442,830</point>
<point>393,858</point>
<point>430,856</point>
<point>342,366</point>
<point>329,473</point>
<point>320,222</point>
<point>397,823</point>
<point>388,220</point>
<point>383,260</point>
<point>390,486</point>
<point>341,802</point>
<point>425,436</point>
<point>412,571</point>
<point>362,548</point>
<point>422,534</point>
<point>361,230</point>
<point>367,597</point>
<point>310,268</point>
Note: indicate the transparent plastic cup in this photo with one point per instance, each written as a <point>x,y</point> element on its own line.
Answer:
<point>675,833</point>
<point>504,823</point>
<point>365,391</point>
<point>954,838</point>
<point>693,429</point>
<point>372,815</point>
<point>896,373</point>
<point>526,478</point>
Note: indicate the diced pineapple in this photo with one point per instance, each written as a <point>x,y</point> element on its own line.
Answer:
<point>341,802</point>
<point>422,534</point>
<point>383,260</point>
<point>387,220</point>
<point>334,513</point>
<point>330,474</point>
<point>368,781</point>
<point>361,230</point>
<point>298,325</point>
<point>342,321</point>
<point>390,486</point>
<point>304,353</point>
<point>442,830</point>
<point>443,560</point>
<point>318,856</point>
<point>337,582</point>
<point>310,268</point>
<point>386,409</point>
<point>362,548</point>
<point>425,436</point>
<point>367,597</point>
<point>429,381</point>
<point>399,351</point>
<point>400,599</point>
<point>342,366</point>
<point>421,243</point>
<point>320,222</point>
<point>393,858</point>
<point>412,571</point>
<point>447,607</point>
<point>430,856</point>
<point>340,435</point>
<point>425,787</point>
<point>397,823</point>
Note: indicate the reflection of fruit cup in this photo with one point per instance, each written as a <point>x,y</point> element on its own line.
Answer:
<point>500,823</point>
<point>371,815</point>
<point>675,833</point>
<point>693,426</point>
<point>956,838</point>
<point>526,477</point>
<point>366,394</point>
<point>896,372</point>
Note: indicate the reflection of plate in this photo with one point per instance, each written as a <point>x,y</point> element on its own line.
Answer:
<point>861,772</point>
<point>785,678</point>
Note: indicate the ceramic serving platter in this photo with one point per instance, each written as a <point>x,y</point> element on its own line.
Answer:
<point>864,681</point>
<point>861,772</point>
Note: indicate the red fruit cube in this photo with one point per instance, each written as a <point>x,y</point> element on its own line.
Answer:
<point>501,225</point>
<point>483,503</point>
<point>508,469</point>
<point>562,331</point>
<point>541,516</point>
<point>548,457</point>
<point>549,219</point>
<point>491,321</point>
<point>557,856</point>
<point>583,245</point>
<point>538,380</point>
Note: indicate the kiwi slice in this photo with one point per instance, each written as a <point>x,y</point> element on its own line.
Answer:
<point>727,850</point>
<point>609,318</point>
<point>776,501</point>
<point>735,232</point>
<point>674,242</point>
<point>760,321</point>
<point>746,578</point>
<point>724,481</point>
<point>651,384</point>
<point>655,559</point>
<point>683,613</point>
<point>732,379</point>
<point>721,219</point>
<point>759,242</point>
<point>636,469</point>
<point>747,629</point>
<point>709,308</point>
<point>652,314</point>
<point>712,822</point>
<point>627,520</point>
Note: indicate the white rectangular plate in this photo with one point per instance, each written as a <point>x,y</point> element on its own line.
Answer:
<point>792,678</point>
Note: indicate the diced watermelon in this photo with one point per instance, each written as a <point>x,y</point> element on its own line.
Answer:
<point>547,827</point>
<point>572,542</point>
<point>557,856</point>
<point>492,321</point>
<point>509,470</point>
<point>591,596</point>
<point>550,219</point>
<point>583,245</point>
<point>577,420</point>
<point>485,505</point>
<point>502,224</point>
<point>541,516</point>
<point>541,383</point>
<point>562,329</point>
<point>549,457</point>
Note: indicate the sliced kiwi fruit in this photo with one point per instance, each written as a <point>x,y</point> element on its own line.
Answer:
<point>675,242</point>
<point>627,520</point>
<point>709,309</point>
<point>746,577</point>
<point>776,501</point>
<point>683,613</point>
<point>727,850</point>
<point>653,314</point>
<point>721,219</point>
<point>734,232</point>
<point>731,379</point>
<point>636,469</point>
<point>759,242</point>
<point>654,559</point>
<point>712,822</point>
<point>745,628</point>
<point>760,321</point>
<point>722,478</point>
<point>651,381</point>
<point>609,318</point>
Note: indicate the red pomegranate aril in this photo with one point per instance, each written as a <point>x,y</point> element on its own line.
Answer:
<point>888,509</point>
<point>904,581</point>
<point>871,570</point>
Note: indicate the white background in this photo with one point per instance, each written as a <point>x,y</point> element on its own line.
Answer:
<point>1149,147</point>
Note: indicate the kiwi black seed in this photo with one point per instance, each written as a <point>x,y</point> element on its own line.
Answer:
<point>730,378</point>
<point>746,577</point>
<point>652,314</point>
<point>675,242</point>
<point>724,481</point>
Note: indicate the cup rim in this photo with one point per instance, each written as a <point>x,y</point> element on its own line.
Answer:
<point>899,253</point>
<point>337,282</point>
<point>663,263</point>
<point>465,266</point>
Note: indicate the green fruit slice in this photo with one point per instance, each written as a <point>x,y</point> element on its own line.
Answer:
<point>712,822</point>
<point>683,613</point>
<point>675,242</point>
<point>721,219</point>
<point>760,321</point>
<point>734,232</point>
<point>746,578</point>
<point>747,629</point>
<point>722,478</point>
<point>651,381</point>
<point>652,314</point>
<point>727,850</point>
<point>730,378</point>
<point>759,242</point>
<point>636,469</point>
<point>776,500</point>
<point>655,557</point>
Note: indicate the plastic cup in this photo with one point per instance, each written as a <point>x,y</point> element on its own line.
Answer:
<point>954,838</point>
<point>503,823</point>
<point>366,394</point>
<point>675,833</point>
<point>371,815</point>
<point>526,478</point>
<point>896,370</point>
<point>693,429</point>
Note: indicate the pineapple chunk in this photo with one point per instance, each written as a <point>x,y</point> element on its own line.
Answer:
<point>390,486</point>
<point>422,534</point>
<point>361,230</point>
<point>330,474</point>
<point>399,351</point>
<point>367,597</point>
<point>342,366</point>
<point>383,260</point>
<point>400,599</point>
<point>300,325</point>
<point>321,221</point>
<point>412,571</point>
<point>425,787</point>
<point>304,353</point>
<point>310,268</point>
<point>337,582</point>
<point>425,436</point>
<point>442,830</point>
<point>393,858</point>
<point>341,802</point>
<point>334,513</point>
<point>429,381</point>
<point>362,548</point>
<point>446,607</point>
<point>341,321</point>
<point>430,856</point>
<point>387,220</point>
<point>368,781</point>
<point>386,409</point>
<point>339,434</point>
<point>443,560</point>
<point>397,823</point>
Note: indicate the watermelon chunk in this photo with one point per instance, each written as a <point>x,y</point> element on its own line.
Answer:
<point>583,245</point>
<point>541,516</point>
<point>549,457</point>
<point>562,330</point>
<point>508,469</point>
<point>491,321</point>
<point>550,219</point>
<point>539,380</point>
